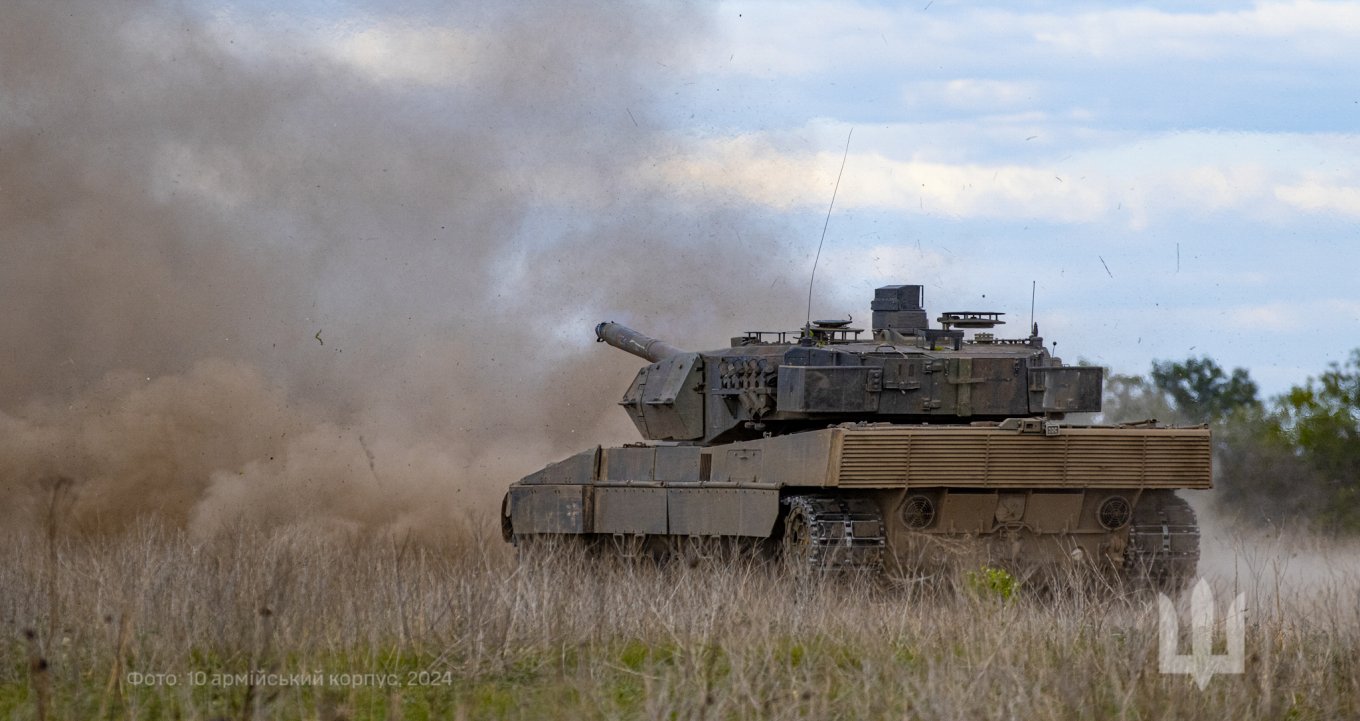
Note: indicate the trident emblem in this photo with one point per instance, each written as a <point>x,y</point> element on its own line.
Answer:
<point>1201,662</point>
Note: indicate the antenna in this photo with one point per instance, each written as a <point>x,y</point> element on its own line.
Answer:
<point>1033,285</point>
<point>825,226</point>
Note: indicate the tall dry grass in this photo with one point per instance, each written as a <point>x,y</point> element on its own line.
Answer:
<point>465,630</point>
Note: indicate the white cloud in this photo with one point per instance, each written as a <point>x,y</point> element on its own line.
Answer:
<point>884,263</point>
<point>1313,29</point>
<point>750,168</point>
<point>971,94</point>
<point>1271,317</point>
<point>1216,187</point>
<point>1194,174</point>
<point>1284,316</point>
<point>773,38</point>
<point>394,51</point>
<point>1314,196</point>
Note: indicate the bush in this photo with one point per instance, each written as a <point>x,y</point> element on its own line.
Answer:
<point>991,582</point>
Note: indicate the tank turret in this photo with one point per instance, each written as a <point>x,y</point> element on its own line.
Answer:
<point>772,383</point>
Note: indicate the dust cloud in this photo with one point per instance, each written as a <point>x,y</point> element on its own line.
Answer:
<point>1276,567</point>
<point>286,271</point>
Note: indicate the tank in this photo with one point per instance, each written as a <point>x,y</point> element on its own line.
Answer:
<point>889,450</point>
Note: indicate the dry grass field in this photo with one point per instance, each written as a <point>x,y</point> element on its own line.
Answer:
<point>152,624</point>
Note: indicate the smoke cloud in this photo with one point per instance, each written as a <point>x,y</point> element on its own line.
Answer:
<point>343,272</point>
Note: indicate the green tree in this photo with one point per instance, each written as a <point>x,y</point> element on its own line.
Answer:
<point>1297,459</point>
<point>1321,420</point>
<point>1131,398</point>
<point>1201,391</point>
<point>1260,474</point>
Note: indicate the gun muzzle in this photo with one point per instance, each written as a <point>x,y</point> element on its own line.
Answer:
<point>629,340</point>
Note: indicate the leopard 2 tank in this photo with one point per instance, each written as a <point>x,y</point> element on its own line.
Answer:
<point>885,451</point>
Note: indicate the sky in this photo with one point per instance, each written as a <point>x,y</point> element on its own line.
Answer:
<point>300,248</point>
<point>1178,179</point>
<point>1174,179</point>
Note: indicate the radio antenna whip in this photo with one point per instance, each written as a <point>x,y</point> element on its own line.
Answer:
<point>1033,284</point>
<point>825,226</point>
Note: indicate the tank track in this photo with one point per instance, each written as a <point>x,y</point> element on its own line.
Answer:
<point>823,533</point>
<point>1163,548</point>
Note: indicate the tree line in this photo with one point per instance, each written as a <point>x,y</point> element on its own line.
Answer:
<point>1290,459</point>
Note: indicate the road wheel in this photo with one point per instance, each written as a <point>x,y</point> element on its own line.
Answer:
<point>797,548</point>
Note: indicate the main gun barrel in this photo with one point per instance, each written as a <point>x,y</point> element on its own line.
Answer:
<point>640,345</point>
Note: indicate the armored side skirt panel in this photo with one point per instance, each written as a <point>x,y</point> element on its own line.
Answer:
<point>973,457</point>
<point>630,510</point>
<point>638,510</point>
<point>722,511</point>
<point>549,509</point>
